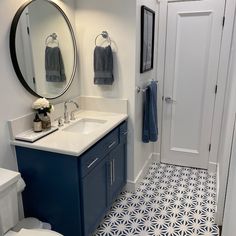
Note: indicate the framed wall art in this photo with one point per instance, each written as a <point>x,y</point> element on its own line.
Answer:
<point>147,39</point>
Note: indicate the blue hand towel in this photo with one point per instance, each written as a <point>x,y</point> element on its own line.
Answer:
<point>150,122</point>
<point>145,136</point>
<point>153,123</point>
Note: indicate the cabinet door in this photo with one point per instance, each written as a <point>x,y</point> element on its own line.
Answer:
<point>52,192</point>
<point>117,173</point>
<point>94,194</point>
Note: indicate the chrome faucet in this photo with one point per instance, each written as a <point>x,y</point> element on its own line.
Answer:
<point>66,114</point>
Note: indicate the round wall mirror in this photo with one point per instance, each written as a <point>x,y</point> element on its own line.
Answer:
<point>43,48</point>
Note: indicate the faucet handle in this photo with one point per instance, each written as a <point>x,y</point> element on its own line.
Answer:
<point>60,121</point>
<point>66,117</point>
<point>72,114</point>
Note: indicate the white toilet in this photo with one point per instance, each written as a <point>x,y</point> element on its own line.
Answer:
<point>11,184</point>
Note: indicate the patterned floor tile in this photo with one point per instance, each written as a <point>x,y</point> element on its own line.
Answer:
<point>171,201</point>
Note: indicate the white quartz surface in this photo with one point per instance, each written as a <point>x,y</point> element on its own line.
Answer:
<point>71,143</point>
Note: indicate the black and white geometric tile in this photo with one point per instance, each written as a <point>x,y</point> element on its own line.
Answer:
<point>171,201</point>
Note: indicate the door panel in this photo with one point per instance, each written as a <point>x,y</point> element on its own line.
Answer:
<point>192,54</point>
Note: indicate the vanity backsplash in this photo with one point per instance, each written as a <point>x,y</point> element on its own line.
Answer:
<point>25,123</point>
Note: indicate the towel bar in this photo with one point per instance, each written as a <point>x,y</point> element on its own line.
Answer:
<point>138,89</point>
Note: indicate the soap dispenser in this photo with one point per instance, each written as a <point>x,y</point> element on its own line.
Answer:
<point>37,124</point>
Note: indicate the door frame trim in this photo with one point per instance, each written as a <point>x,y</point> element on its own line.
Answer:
<point>224,68</point>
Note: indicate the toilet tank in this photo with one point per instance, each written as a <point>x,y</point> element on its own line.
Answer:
<point>9,215</point>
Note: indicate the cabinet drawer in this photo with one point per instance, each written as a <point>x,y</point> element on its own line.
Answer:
<point>110,141</point>
<point>97,152</point>
<point>123,131</point>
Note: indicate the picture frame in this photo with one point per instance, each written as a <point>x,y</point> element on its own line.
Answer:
<point>147,39</point>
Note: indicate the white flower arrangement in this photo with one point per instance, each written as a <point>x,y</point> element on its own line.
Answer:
<point>42,105</point>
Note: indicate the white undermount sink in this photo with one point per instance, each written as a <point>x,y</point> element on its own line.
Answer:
<point>85,126</point>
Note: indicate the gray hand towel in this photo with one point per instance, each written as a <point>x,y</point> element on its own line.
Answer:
<point>103,66</point>
<point>54,65</point>
<point>150,122</point>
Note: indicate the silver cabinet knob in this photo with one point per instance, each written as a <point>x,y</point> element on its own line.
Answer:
<point>169,100</point>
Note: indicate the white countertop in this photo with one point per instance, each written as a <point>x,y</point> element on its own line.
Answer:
<point>75,144</point>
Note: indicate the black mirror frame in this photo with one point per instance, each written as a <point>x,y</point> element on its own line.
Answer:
<point>13,47</point>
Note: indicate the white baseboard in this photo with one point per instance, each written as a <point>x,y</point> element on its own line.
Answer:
<point>217,216</point>
<point>132,186</point>
<point>212,167</point>
<point>156,157</point>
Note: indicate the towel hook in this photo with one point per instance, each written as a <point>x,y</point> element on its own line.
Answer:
<point>53,37</point>
<point>105,35</point>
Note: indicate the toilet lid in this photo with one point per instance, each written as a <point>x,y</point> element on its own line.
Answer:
<point>10,233</point>
<point>38,232</point>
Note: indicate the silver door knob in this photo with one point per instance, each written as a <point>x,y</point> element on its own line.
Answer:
<point>169,100</point>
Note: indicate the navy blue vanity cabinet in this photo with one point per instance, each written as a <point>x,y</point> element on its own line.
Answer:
<point>52,189</point>
<point>71,193</point>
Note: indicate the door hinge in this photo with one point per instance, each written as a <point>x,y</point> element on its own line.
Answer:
<point>223,21</point>
<point>28,30</point>
<point>216,88</point>
<point>209,147</point>
<point>34,80</point>
<point>162,98</point>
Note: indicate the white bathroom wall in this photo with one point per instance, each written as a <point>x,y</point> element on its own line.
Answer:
<point>142,151</point>
<point>14,99</point>
<point>118,18</point>
<point>122,21</point>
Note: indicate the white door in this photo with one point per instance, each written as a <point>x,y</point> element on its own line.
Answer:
<point>25,49</point>
<point>193,40</point>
